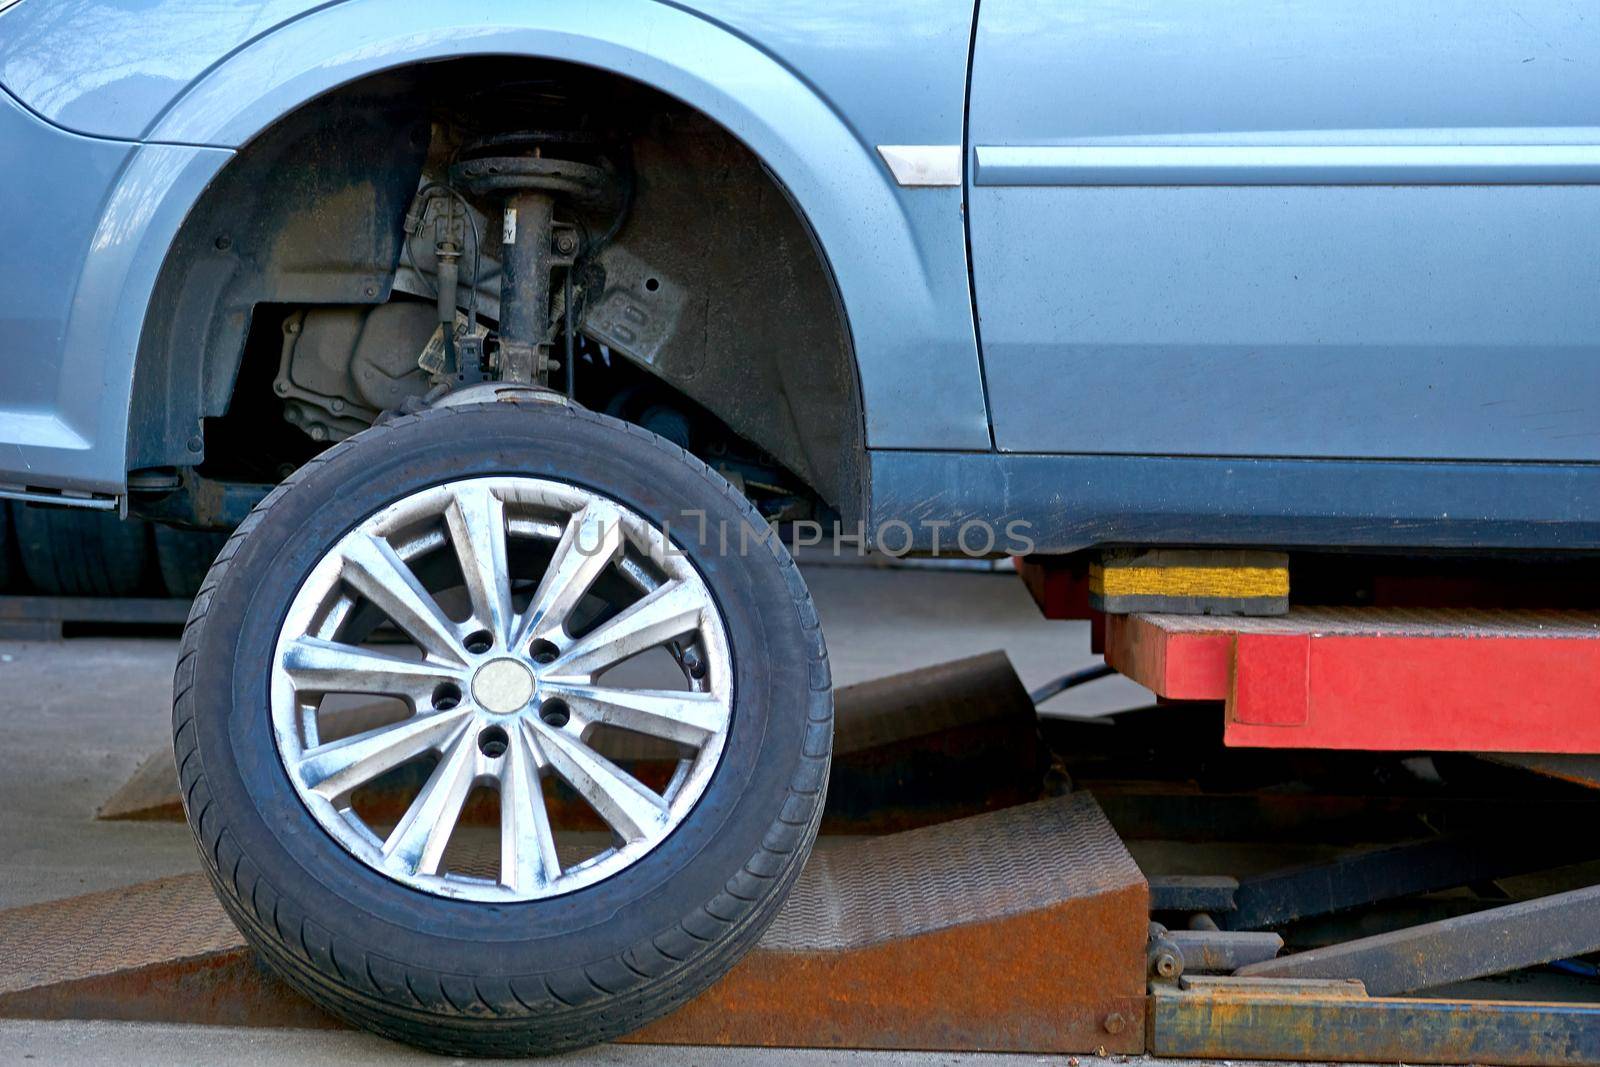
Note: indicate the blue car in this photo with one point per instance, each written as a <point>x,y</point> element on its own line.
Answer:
<point>504,332</point>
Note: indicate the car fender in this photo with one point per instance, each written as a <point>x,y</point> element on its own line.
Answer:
<point>897,254</point>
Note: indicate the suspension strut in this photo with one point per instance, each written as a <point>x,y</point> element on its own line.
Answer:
<point>530,187</point>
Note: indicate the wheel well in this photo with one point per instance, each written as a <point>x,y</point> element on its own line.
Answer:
<point>756,370</point>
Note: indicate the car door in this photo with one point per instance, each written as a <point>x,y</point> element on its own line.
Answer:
<point>1298,228</point>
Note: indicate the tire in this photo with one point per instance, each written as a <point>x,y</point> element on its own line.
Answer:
<point>469,977</point>
<point>8,549</point>
<point>70,552</point>
<point>184,557</point>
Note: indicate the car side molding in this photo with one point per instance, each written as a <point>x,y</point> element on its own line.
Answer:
<point>1485,164</point>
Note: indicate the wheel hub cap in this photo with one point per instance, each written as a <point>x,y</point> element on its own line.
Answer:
<point>503,624</point>
<point>502,686</point>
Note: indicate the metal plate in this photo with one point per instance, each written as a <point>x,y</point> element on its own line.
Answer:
<point>1019,930</point>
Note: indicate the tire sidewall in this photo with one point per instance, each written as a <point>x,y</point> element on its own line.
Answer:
<point>250,789</point>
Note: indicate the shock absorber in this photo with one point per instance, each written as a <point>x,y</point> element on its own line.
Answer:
<point>530,186</point>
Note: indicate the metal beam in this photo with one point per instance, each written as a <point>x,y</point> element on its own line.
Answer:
<point>1188,892</point>
<point>1398,871</point>
<point>1453,950</point>
<point>1221,951</point>
<point>1270,1019</point>
<point>1578,769</point>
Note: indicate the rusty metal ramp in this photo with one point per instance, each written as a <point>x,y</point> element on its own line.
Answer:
<point>1022,929</point>
<point>161,951</point>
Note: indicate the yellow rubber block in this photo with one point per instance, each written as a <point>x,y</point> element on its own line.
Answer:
<point>1189,581</point>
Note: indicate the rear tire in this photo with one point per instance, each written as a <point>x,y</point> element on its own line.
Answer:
<point>497,977</point>
<point>185,556</point>
<point>74,552</point>
<point>9,567</point>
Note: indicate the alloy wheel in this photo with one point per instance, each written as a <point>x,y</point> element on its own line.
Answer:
<point>489,612</point>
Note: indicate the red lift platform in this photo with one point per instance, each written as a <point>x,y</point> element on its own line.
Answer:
<point>1214,626</point>
<point>1378,679</point>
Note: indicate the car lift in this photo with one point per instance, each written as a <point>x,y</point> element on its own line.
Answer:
<point>991,880</point>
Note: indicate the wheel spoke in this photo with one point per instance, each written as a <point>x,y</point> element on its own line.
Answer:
<point>666,612</point>
<point>319,666</point>
<point>631,809</point>
<point>377,573</point>
<point>476,519</point>
<point>591,540</point>
<point>417,845</point>
<point>690,718</point>
<point>520,700</point>
<point>334,769</point>
<point>527,846</point>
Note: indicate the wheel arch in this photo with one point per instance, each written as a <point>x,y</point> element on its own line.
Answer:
<point>836,184</point>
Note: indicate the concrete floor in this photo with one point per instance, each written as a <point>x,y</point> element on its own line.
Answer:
<point>91,1044</point>
<point>76,718</point>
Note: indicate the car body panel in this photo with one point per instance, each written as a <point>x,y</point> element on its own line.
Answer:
<point>91,223</point>
<point>1143,300</point>
<point>112,68</point>
<point>109,68</point>
<point>1328,229</point>
<point>905,291</point>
